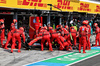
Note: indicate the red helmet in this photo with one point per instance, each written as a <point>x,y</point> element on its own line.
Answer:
<point>45,27</point>
<point>14,20</point>
<point>59,26</point>
<point>72,27</point>
<point>65,26</point>
<point>2,20</point>
<point>40,24</point>
<point>50,28</point>
<point>87,22</point>
<point>84,22</point>
<point>95,24</point>
<point>12,25</point>
<point>21,28</point>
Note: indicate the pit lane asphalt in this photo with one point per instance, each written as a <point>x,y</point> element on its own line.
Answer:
<point>26,57</point>
<point>94,61</point>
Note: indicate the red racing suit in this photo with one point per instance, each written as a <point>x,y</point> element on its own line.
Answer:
<point>2,21</point>
<point>9,38</point>
<point>36,26</point>
<point>17,36</point>
<point>13,29</point>
<point>56,36</point>
<point>49,28</point>
<point>73,33</point>
<point>88,37</point>
<point>83,40</point>
<point>2,33</point>
<point>97,36</point>
<point>66,45</point>
<point>12,26</point>
<point>67,36</point>
<point>46,37</point>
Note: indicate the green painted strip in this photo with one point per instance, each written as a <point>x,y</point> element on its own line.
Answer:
<point>72,57</point>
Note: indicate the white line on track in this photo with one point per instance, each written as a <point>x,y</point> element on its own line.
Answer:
<point>82,60</point>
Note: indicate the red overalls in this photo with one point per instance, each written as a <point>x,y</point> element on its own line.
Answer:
<point>73,33</point>
<point>46,37</point>
<point>88,37</point>
<point>17,36</point>
<point>13,29</point>
<point>2,34</point>
<point>97,36</point>
<point>83,38</point>
<point>36,26</point>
